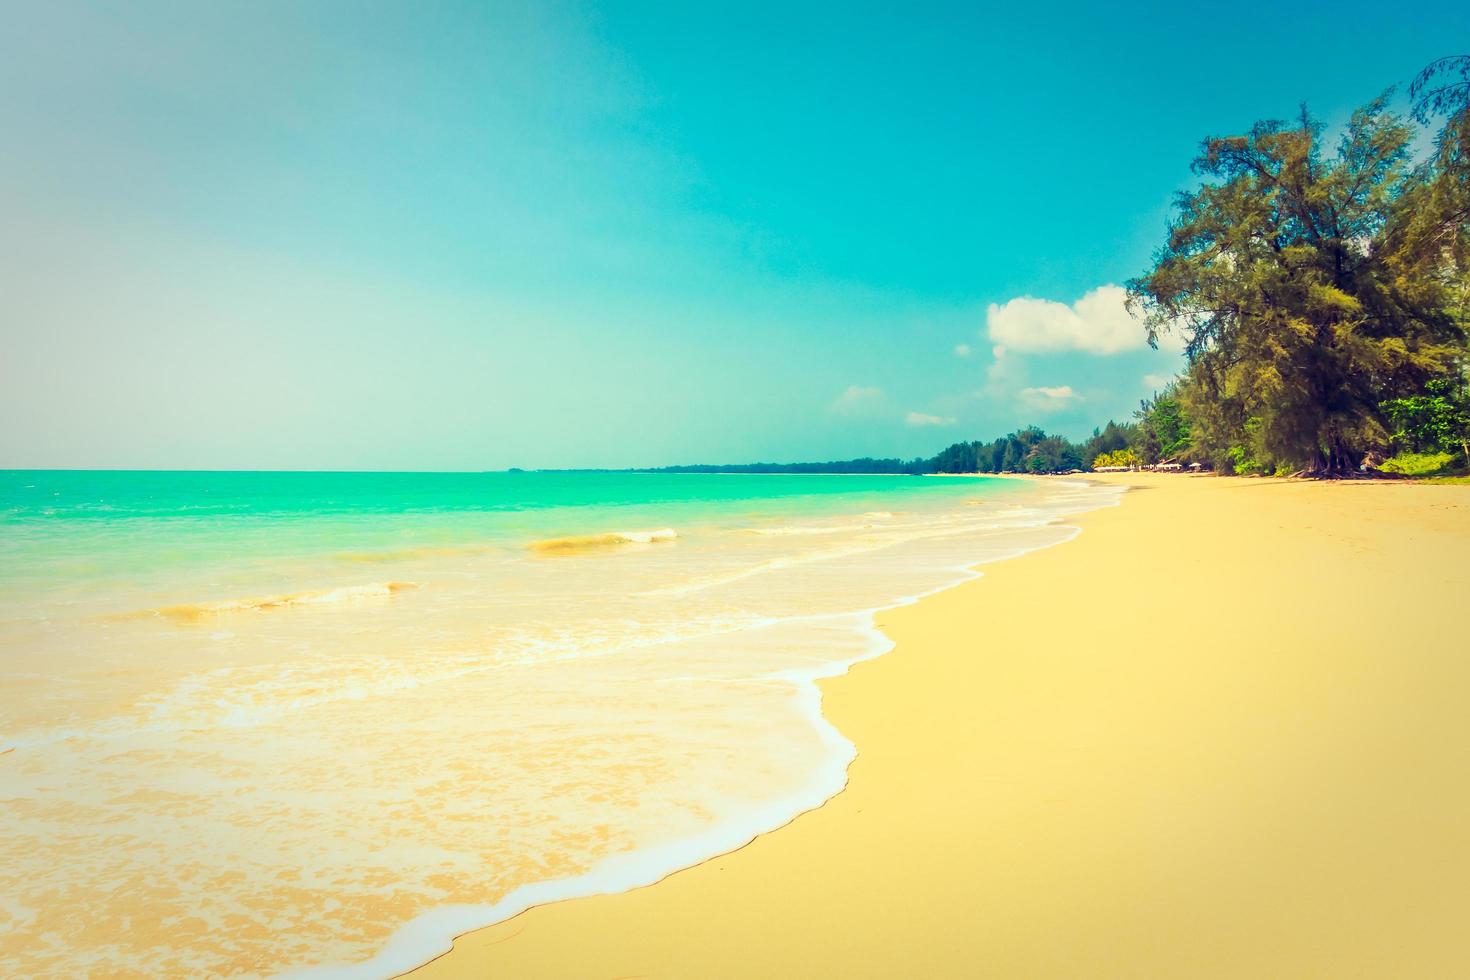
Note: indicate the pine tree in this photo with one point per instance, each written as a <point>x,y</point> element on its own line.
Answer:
<point>1306,292</point>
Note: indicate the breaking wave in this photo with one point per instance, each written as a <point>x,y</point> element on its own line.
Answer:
<point>194,612</point>
<point>594,542</point>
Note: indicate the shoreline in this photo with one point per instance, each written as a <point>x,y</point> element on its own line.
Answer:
<point>1060,853</point>
<point>404,953</point>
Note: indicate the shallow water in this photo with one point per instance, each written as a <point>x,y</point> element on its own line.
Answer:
<point>259,722</point>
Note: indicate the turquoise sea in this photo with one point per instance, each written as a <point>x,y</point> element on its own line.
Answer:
<point>262,722</point>
<point>63,527</point>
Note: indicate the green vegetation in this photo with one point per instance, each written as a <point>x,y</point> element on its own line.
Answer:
<point>1118,457</point>
<point>1417,464</point>
<point>1163,428</point>
<point>1436,421</point>
<point>1159,433</point>
<point>1029,450</point>
<point>865,465</point>
<point>1323,296</point>
<point>1026,451</point>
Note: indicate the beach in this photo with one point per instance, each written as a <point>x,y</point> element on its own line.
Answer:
<point>254,723</point>
<point>612,490</point>
<point>1221,733</point>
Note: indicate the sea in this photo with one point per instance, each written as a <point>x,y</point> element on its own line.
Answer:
<point>317,724</point>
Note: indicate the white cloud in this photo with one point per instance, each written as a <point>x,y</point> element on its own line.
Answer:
<point>1003,375</point>
<point>1098,323</point>
<point>919,418</point>
<point>962,350</point>
<point>1044,399</point>
<point>857,400</point>
<point>1154,382</point>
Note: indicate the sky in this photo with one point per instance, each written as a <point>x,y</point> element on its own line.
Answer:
<point>468,236</point>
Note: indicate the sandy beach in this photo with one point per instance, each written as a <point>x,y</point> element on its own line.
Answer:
<point>606,490</point>
<point>1222,733</point>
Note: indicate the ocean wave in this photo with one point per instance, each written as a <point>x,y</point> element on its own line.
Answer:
<point>594,542</point>
<point>193,612</point>
<point>413,554</point>
<point>310,691</point>
<point>431,933</point>
<point>869,522</point>
<point>877,537</point>
<point>248,696</point>
<point>799,530</point>
<point>780,563</point>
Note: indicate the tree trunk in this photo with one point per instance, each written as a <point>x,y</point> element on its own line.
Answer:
<point>1333,463</point>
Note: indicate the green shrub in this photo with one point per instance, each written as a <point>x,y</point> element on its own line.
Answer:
<point>1118,457</point>
<point>1244,462</point>
<point>1417,464</point>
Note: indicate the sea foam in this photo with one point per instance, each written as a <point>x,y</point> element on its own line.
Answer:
<point>593,542</point>
<point>193,612</point>
<point>431,934</point>
<point>517,732</point>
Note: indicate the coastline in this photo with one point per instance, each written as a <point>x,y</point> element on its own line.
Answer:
<point>430,933</point>
<point>1075,767</point>
<point>564,728</point>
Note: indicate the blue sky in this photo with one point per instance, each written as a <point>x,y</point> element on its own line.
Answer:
<point>477,235</point>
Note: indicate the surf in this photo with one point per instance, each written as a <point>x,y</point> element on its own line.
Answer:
<point>579,543</point>
<point>194,612</point>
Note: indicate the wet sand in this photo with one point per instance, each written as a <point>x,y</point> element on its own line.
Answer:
<point>1222,733</point>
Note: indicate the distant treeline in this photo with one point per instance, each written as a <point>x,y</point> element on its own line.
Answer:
<point>1159,432</point>
<point>865,465</point>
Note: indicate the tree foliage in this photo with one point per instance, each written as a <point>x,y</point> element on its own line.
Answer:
<point>1108,439</point>
<point>1442,89</point>
<point>1119,457</point>
<point>1437,421</point>
<point>1163,428</point>
<point>1028,450</point>
<point>1309,288</point>
<point>1323,294</point>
